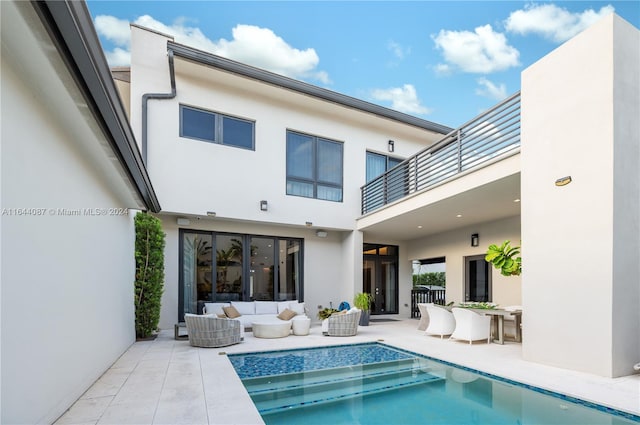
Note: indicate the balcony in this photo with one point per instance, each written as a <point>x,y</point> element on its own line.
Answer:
<point>488,137</point>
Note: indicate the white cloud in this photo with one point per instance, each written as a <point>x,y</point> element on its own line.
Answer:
<point>252,45</point>
<point>482,51</point>
<point>552,22</point>
<point>491,90</point>
<point>398,50</point>
<point>403,99</point>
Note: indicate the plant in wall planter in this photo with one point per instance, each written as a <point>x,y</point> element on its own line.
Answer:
<point>363,302</point>
<point>505,258</point>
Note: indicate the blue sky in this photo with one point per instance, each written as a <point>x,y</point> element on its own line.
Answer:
<point>444,61</point>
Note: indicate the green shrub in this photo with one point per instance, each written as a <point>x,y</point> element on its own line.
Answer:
<point>429,279</point>
<point>149,273</point>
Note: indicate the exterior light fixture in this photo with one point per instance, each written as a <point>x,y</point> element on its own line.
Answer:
<point>181,221</point>
<point>321,233</point>
<point>475,240</point>
<point>391,146</point>
<point>211,213</point>
<point>263,205</point>
<point>308,223</point>
<point>563,181</point>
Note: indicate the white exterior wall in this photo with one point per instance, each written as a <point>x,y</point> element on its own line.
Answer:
<point>455,245</point>
<point>67,281</point>
<point>192,177</point>
<point>580,280</point>
<point>325,262</point>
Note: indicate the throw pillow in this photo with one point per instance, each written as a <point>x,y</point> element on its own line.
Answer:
<point>297,307</point>
<point>231,312</point>
<point>286,314</point>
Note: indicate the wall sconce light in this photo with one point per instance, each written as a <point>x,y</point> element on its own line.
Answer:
<point>308,223</point>
<point>321,233</point>
<point>391,146</point>
<point>563,181</point>
<point>263,205</point>
<point>475,239</point>
<point>211,213</point>
<point>181,221</point>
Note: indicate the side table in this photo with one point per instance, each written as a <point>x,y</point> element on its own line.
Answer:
<point>301,325</point>
<point>176,331</point>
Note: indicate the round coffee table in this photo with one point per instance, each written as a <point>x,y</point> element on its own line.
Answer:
<point>301,325</point>
<point>271,329</point>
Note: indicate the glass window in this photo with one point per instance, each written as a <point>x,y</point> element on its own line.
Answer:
<point>223,267</point>
<point>216,128</point>
<point>236,132</point>
<point>378,164</point>
<point>314,167</point>
<point>197,124</point>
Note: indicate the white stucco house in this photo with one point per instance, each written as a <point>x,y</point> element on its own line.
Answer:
<point>270,189</point>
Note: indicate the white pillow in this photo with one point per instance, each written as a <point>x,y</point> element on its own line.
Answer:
<point>297,307</point>
<point>214,308</point>
<point>266,307</point>
<point>245,307</point>
<point>283,305</point>
<point>353,310</point>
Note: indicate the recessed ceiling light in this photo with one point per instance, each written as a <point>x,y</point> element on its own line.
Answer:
<point>516,200</point>
<point>419,227</point>
<point>459,215</point>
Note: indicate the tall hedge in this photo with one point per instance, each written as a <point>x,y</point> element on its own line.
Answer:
<point>149,273</point>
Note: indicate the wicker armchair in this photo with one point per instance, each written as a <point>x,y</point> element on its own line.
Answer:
<point>342,324</point>
<point>211,331</point>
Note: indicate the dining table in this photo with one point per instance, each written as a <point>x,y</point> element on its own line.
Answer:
<point>497,322</point>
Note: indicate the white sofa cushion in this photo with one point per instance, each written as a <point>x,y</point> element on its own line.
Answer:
<point>283,305</point>
<point>245,307</point>
<point>215,308</point>
<point>297,307</point>
<point>266,307</point>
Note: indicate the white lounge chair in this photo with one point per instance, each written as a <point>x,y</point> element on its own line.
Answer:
<point>211,331</point>
<point>471,326</point>
<point>342,324</point>
<point>441,321</point>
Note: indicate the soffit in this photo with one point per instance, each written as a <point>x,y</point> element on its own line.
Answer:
<point>485,203</point>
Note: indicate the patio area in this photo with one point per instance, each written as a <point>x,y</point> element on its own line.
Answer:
<point>167,381</point>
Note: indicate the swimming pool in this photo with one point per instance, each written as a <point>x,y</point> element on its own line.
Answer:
<point>373,383</point>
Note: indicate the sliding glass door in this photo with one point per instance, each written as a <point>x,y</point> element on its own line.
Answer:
<point>221,267</point>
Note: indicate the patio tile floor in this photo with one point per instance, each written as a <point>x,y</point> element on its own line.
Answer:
<point>169,382</point>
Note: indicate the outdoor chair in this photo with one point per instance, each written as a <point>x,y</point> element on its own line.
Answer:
<point>510,322</point>
<point>471,326</point>
<point>342,324</point>
<point>210,331</point>
<point>441,321</point>
<point>424,317</point>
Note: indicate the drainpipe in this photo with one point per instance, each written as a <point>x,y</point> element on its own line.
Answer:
<point>147,96</point>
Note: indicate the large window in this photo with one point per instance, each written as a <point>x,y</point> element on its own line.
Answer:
<point>220,267</point>
<point>216,128</point>
<point>314,167</point>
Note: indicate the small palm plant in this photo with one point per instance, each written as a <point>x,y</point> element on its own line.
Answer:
<point>505,258</point>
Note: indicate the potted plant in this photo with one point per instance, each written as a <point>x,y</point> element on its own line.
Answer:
<point>363,302</point>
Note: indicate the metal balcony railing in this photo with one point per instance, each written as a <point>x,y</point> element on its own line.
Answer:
<point>492,134</point>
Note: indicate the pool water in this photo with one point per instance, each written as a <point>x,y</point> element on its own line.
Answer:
<point>374,383</point>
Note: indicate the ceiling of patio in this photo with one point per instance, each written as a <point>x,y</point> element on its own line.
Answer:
<point>488,202</point>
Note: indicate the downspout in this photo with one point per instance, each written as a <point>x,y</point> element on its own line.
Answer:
<point>147,96</point>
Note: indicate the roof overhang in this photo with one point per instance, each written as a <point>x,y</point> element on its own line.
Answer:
<point>486,194</point>
<point>71,31</point>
